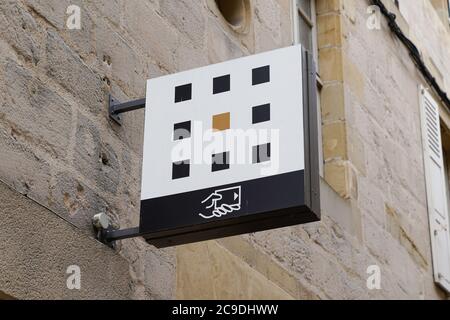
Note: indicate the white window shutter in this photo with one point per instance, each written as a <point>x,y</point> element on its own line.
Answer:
<point>436,189</point>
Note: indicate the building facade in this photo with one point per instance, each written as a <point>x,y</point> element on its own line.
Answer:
<point>62,160</point>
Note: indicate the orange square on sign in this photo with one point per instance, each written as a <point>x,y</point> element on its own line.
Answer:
<point>221,122</point>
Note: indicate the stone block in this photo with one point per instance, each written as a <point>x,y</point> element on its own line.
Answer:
<point>334,137</point>
<point>147,28</point>
<point>329,33</point>
<point>72,74</point>
<point>189,17</point>
<point>18,29</point>
<point>337,175</point>
<point>220,46</point>
<point>208,271</point>
<point>94,158</point>
<point>38,247</point>
<point>327,6</point>
<point>24,168</point>
<point>33,112</point>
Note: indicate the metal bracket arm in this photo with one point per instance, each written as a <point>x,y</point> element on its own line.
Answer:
<point>115,107</point>
<point>109,236</point>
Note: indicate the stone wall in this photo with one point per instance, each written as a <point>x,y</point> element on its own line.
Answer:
<point>37,249</point>
<point>57,144</point>
<point>373,195</point>
<point>59,149</point>
<point>373,160</point>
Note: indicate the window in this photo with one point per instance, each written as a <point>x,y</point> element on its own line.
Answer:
<point>305,33</point>
<point>437,188</point>
<point>305,25</point>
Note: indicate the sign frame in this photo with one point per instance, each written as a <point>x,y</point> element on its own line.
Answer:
<point>308,212</point>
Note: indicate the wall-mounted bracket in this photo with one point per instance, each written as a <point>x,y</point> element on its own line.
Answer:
<point>115,107</point>
<point>114,235</point>
<point>107,234</point>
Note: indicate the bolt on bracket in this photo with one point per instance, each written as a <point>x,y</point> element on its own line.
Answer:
<point>108,234</point>
<point>115,107</point>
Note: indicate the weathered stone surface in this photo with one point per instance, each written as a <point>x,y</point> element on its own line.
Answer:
<point>208,271</point>
<point>72,199</point>
<point>37,248</point>
<point>23,168</point>
<point>268,14</point>
<point>94,158</point>
<point>220,46</point>
<point>69,71</point>
<point>17,29</point>
<point>188,17</point>
<point>58,147</point>
<point>34,112</point>
<point>148,29</point>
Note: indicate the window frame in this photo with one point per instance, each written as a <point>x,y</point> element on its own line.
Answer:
<point>298,13</point>
<point>435,165</point>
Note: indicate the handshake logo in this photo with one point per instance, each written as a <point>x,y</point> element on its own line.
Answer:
<point>222,202</point>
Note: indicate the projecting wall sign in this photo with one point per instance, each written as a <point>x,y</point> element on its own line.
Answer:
<point>230,148</point>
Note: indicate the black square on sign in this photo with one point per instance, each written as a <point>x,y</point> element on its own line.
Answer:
<point>183,93</point>
<point>180,169</point>
<point>261,75</point>
<point>261,113</point>
<point>221,84</point>
<point>220,161</point>
<point>182,130</point>
<point>261,153</point>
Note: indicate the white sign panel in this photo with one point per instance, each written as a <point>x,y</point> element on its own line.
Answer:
<point>218,137</point>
